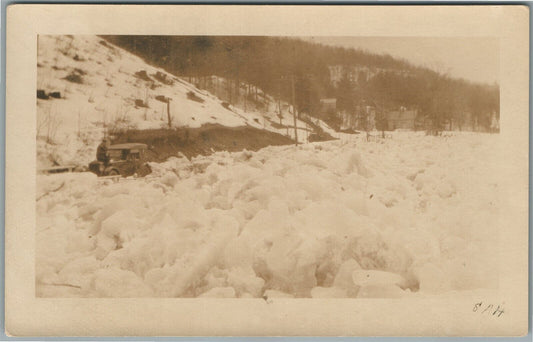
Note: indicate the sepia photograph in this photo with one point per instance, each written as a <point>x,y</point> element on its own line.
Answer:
<point>253,177</point>
<point>241,166</point>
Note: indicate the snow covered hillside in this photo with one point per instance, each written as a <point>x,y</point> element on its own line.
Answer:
<point>87,84</point>
<point>412,215</point>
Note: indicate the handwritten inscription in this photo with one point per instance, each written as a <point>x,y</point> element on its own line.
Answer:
<point>488,309</point>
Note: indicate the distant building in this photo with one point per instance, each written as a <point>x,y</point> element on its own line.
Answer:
<point>363,118</point>
<point>359,74</point>
<point>401,119</point>
<point>356,74</point>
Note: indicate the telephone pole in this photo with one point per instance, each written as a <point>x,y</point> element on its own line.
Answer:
<point>294,112</point>
<point>168,113</point>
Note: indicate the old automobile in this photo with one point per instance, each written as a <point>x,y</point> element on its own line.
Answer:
<point>124,160</point>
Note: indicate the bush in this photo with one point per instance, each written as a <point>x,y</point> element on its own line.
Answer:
<point>77,58</point>
<point>143,75</point>
<point>192,96</point>
<point>41,94</point>
<point>161,77</point>
<point>140,103</point>
<point>74,78</point>
<point>79,72</point>
<point>162,98</point>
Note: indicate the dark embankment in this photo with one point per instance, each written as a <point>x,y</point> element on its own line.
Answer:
<point>164,143</point>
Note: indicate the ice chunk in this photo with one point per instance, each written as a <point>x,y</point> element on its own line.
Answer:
<point>104,245</point>
<point>357,202</point>
<point>244,156</point>
<point>79,241</point>
<point>123,225</point>
<point>226,228</point>
<point>112,205</point>
<point>238,253</point>
<point>169,179</point>
<point>343,279</point>
<point>114,190</point>
<point>292,264</point>
<point>355,162</point>
<point>281,260</point>
<point>245,281</point>
<point>349,162</point>
<point>79,272</point>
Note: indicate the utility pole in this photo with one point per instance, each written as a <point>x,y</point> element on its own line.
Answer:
<point>168,112</point>
<point>279,102</point>
<point>294,112</point>
<point>245,96</point>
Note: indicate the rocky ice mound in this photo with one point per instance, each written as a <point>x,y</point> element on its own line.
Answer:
<point>410,216</point>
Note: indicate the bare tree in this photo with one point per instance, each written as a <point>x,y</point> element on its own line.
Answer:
<point>51,123</point>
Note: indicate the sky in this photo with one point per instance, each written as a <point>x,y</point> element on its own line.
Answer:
<point>472,58</point>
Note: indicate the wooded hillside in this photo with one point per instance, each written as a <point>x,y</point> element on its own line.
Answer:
<point>272,64</point>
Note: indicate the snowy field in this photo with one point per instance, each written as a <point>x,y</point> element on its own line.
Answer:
<point>411,215</point>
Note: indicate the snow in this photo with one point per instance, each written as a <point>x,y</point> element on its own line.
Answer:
<point>110,81</point>
<point>411,215</point>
